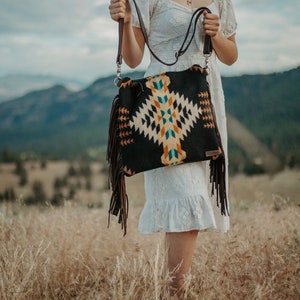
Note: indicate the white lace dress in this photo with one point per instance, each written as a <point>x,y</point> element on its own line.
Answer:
<point>178,198</point>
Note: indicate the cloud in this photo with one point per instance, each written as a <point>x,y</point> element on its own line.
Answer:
<point>77,38</point>
<point>266,35</point>
<point>52,17</point>
<point>58,36</point>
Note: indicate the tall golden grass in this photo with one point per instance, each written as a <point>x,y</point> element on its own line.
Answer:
<point>69,253</point>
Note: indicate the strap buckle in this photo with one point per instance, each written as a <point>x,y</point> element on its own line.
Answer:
<point>119,77</point>
<point>206,56</point>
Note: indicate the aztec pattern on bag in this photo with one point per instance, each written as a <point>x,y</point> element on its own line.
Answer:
<point>172,128</point>
<point>153,124</point>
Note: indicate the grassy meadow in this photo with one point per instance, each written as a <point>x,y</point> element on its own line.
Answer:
<point>66,251</point>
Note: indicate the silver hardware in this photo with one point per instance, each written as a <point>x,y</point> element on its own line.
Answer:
<point>207,56</point>
<point>118,78</point>
<point>206,60</point>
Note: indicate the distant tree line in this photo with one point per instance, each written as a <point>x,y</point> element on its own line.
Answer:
<point>78,176</point>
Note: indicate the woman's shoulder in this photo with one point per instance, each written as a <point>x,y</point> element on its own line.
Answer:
<point>227,16</point>
<point>154,3</point>
<point>223,3</point>
<point>147,4</point>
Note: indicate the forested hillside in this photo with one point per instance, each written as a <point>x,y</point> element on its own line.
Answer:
<point>269,106</point>
<point>59,123</point>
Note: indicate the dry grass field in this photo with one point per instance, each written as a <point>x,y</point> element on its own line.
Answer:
<point>68,252</point>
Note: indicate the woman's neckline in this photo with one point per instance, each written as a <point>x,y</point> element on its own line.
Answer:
<point>189,8</point>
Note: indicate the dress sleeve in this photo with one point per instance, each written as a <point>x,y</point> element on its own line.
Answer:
<point>147,8</point>
<point>227,18</point>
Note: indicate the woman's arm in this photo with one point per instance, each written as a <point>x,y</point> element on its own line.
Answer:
<point>225,48</point>
<point>133,45</point>
<point>133,40</point>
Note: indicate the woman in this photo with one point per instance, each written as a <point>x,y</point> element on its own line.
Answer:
<point>178,199</point>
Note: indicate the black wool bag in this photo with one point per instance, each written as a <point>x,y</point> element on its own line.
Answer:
<point>162,121</point>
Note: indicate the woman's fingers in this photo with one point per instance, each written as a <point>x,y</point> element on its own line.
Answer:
<point>211,24</point>
<point>119,9</point>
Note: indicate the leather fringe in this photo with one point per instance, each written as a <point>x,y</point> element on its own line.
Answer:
<point>119,200</point>
<point>218,181</point>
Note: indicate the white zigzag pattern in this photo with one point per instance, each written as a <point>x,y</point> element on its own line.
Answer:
<point>186,122</point>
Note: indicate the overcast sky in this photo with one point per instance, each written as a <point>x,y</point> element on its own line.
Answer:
<point>77,39</point>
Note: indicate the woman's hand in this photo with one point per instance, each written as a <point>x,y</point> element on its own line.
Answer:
<point>133,39</point>
<point>225,48</point>
<point>211,24</point>
<point>119,9</point>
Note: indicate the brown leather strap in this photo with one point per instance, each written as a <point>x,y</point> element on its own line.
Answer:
<point>121,25</point>
<point>207,48</point>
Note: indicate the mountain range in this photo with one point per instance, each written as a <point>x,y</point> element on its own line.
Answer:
<point>59,123</point>
<point>16,85</point>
